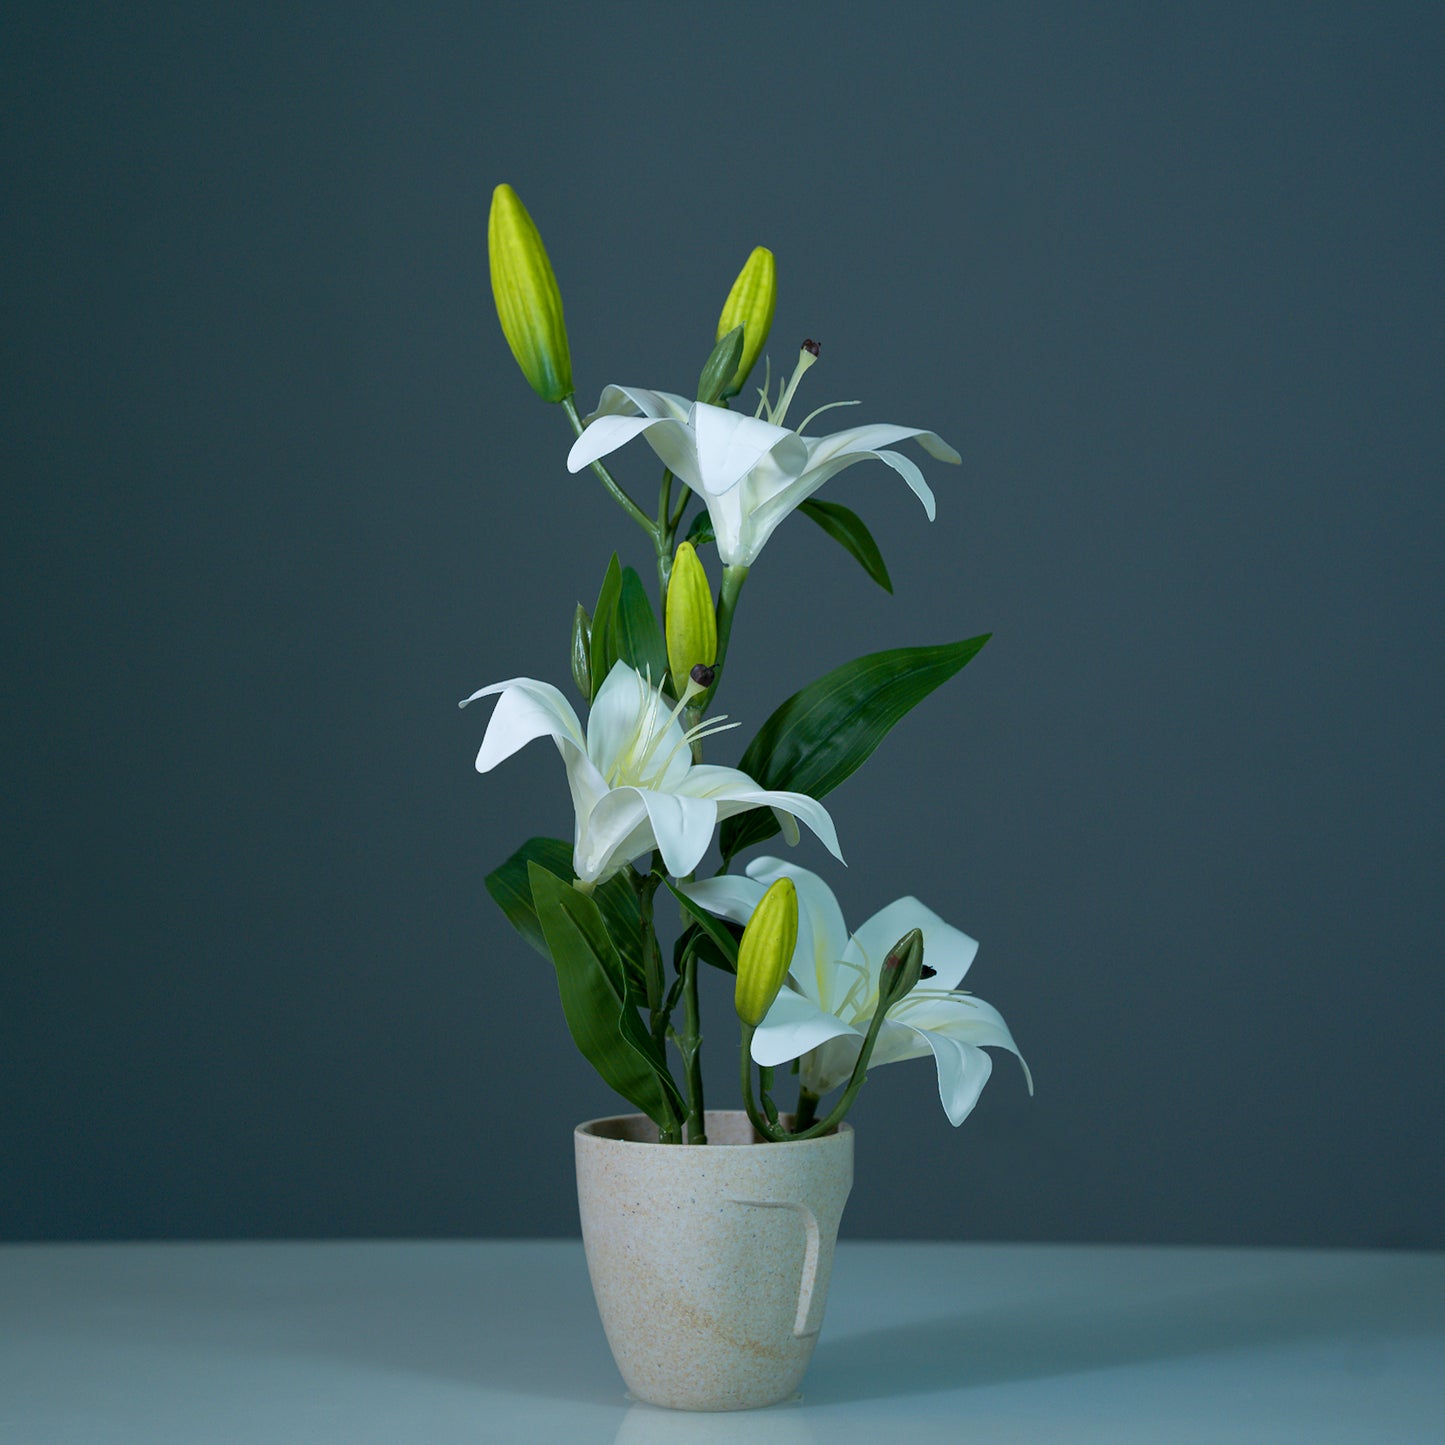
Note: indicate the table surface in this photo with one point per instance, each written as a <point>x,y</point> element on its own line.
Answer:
<point>432,1342</point>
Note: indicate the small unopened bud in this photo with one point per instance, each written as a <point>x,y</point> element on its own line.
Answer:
<point>750,304</point>
<point>721,367</point>
<point>529,305</point>
<point>902,968</point>
<point>691,618</point>
<point>582,651</point>
<point>766,952</point>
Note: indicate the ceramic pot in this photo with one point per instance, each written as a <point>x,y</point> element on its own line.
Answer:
<point>710,1263</point>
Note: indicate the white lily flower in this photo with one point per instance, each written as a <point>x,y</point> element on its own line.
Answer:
<point>751,471</point>
<point>824,1011</point>
<point>634,783</point>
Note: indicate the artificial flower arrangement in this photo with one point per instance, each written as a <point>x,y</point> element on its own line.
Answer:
<point>808,993</point>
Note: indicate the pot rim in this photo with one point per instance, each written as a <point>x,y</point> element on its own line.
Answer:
<point>587,1130</point>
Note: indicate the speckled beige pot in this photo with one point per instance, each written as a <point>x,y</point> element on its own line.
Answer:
<point>710,1263</point>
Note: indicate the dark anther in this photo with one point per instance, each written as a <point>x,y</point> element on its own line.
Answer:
<point>926,972</point>
<point>812,347</point>
<point>703,675</point>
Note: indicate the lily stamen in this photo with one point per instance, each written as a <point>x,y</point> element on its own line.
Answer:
<point>806,358</point>
<point>765,387</point>
<point>697,734</point>
<point>818,411</point>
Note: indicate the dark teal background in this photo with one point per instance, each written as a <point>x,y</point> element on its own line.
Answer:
<point>275,497</point>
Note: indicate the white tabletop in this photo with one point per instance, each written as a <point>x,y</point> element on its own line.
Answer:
<point>499,1341</point>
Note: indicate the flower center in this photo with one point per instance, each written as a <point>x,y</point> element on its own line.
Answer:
<point>640,762</point>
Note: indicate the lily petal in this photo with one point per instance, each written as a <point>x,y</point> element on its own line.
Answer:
<point>963,1070</point>
<point>871,436</point>
<point>961,1016</point>
<point>730,444</point>
<point>605,435</point>
<point>946,949</point>
<point>727,895</point>
<point>627,400</point>
<point>827,934</point>
<point>528,709</point>
<point>680,825</point>
<point>629,713</point>
<point>736,792</point>
<point>793,1026</point>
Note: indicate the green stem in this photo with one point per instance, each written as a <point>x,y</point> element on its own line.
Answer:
<point>651,958</point>
<point>664,500</point>
<point>858,1078</point>
<point>675,520</point>
<point>663,539</point>
<point>623,500</point>
<point>807,1111</point>
<point>745,1057</point>
<point>692,1052</point>
<point>734,576</point>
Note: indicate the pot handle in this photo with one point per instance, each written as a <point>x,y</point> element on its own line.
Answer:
<point>811,1299</point>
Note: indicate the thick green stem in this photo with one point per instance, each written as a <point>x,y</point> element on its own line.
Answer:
<point>856,1081</point>
<point>734,576</point>
<point>675,520</point>
<point>663,538</point>
<point>651,958</point>
<point>745,1058</point>
<point>692,1052</point>
<point>623,500</point>
<point>807,1111</point>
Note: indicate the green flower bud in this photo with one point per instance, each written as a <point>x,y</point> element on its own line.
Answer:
<point>750,305</point>
<point>721,367</point>
<point>691,618</point>
<point>582,651</point>
<point>529,305</point>
<point>902,968</point>
<point>766,951</point>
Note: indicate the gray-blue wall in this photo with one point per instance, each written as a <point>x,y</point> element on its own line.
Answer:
<point>275,498</point>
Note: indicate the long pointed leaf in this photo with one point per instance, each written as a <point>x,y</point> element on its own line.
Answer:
<point>847,527</point>
<point>604,646</point>
<point>600,1009</point>
<point>637,636</point>
<point>703,946</point>
<point>824,733</point>
<point>713,927</point>
<point>511,887</point>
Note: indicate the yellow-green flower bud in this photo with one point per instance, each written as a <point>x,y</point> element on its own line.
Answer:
<point>766,951</point>
<point>691,618</point>
<point>529,305</point>
<point>750,305</point>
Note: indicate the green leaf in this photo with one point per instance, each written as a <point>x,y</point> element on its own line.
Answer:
<point>701,532</point>
<point>714,928</point>
<point>827,731</point>
<point>637,637</point>
<point>847,527</point>
<point>601,1010</point>
<point>511,887</point>
<point>702,945</point>
<point>604,649</point>
<point>582,651</point>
